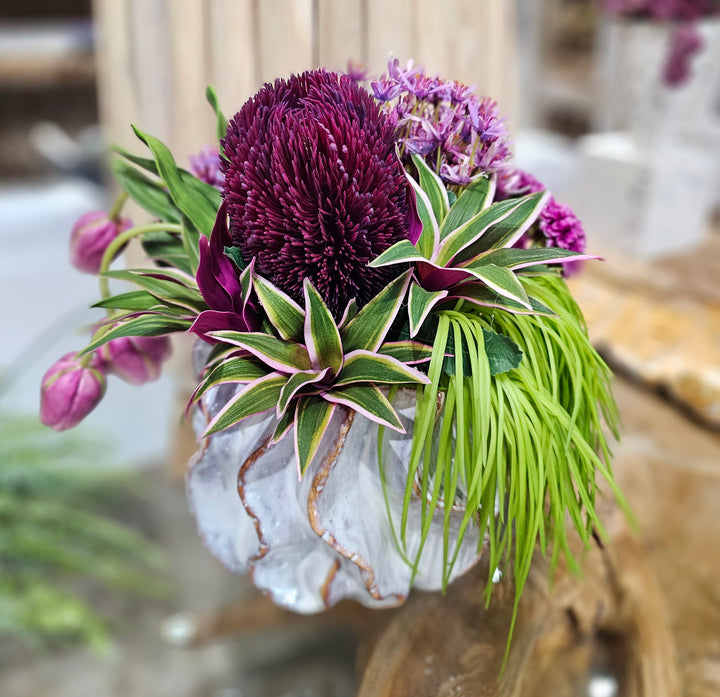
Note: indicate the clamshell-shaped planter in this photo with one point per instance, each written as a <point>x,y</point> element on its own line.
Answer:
<point>310,543</point>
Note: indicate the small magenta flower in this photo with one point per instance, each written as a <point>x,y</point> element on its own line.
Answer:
<point>70,390</point>
<point>91,236</point>
<point>135,359</point>
<point>563,229</point>
<point>314,188</point>
<point>205,165</point>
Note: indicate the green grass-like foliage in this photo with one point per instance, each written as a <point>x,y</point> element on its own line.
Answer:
<point>520,450</point>
<point>53,532</point>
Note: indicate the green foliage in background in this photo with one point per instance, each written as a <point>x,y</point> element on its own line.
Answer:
<point>56,537</point>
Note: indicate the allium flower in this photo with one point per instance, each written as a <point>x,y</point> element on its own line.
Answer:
<point>459,135</point>
<point>70,391</point>
<point>91,236</point>
<point>135,359</point>
<point>205,165</point>
<point>314,188</point>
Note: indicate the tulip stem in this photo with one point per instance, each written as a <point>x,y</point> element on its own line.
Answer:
<point>120,241</point>
<point>114,212</point>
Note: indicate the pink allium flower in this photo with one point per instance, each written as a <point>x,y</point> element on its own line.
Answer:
<point>91,235</point>
<point>314,188</point>
<point>70,391</point>
<point>205,165</point>
<point>135,359</point>
<point>459,135</point>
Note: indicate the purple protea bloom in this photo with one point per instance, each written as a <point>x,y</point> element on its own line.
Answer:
<point>205,165</point>
<point>314,188</point>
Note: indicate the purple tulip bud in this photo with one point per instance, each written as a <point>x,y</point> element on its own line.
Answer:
<point>70,391</point>
<point>91,236</point>
<point>135,359</point>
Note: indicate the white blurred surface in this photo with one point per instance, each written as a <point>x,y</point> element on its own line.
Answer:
<point>45,301</point>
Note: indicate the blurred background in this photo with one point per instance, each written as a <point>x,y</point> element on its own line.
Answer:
<point>100,565</point>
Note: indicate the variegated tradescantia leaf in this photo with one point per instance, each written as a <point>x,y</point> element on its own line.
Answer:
<point>432,185</point>
<point>409,352</point>
<point>502,281</point>
<point>480,294</point>
<point>430,236</point>
<point>297,382</point>
<point>311,421</point>
<point>231,370</point>
<point>322,336</point>
<point>365,366</point>
<point>400,253</point>
<point>511,258</point>
<point>420,303</point>
<point>284,356</point>
<point>477,197</point>
<point>368,329</point>
<point>506,230</point>
<point>141,324</point>
<point>368,400</point>
<point>258,396</point>
<point>284,313</point>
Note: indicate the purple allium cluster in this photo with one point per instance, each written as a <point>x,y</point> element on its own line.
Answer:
<point>205,165</point>
<point>685,42</point>
<point>558,226</point>
<point>314,188</point>
<point>682,10</point>
<point>459,135</point>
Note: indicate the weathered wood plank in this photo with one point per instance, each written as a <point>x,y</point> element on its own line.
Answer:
<point>340,33</point>
<point>233,52</point>
<point>285,36</point>
<point>390,29</point>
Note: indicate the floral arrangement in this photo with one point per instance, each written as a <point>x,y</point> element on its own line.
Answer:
<point>685,39</point>
<point>393,375</point>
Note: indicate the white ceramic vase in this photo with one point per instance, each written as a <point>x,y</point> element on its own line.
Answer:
<point>313,542</point>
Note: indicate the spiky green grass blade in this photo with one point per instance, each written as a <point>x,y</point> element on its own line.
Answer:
<point>518,450</point>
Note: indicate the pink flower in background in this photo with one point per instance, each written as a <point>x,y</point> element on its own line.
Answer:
<point>135,359</point>
<point>205,165</point>
<point>685,42</point>
<point>91,235</point>
<point>70,390</point>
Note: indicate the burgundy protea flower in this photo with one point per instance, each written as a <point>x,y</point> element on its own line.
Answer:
<point>314,188</point>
